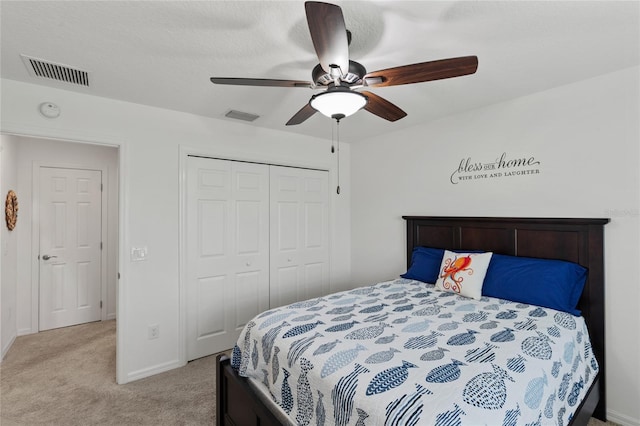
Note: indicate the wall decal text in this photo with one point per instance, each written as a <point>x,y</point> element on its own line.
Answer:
<point>502,167</point>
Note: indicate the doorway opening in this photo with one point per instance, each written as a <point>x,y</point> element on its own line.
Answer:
<point>68,241</point>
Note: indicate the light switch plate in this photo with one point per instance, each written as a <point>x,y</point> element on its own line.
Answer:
<point>139,253</point>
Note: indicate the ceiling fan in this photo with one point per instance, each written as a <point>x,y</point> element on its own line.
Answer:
<point>340,76</point>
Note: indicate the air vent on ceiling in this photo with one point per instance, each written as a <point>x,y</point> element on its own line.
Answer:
<point>46,69</point>
<point>239,115</point>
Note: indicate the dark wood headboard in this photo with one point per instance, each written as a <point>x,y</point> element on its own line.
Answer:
<point>576,240</point>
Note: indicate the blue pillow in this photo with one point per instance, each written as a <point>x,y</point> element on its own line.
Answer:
<point>552,284</point>
<point>425,264</point>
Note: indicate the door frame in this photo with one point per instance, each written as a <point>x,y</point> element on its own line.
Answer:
<point>274,160</point>
<point>35,232</point>
<point>66,135</point>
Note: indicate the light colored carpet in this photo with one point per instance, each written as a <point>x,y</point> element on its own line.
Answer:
<point>67,377</point>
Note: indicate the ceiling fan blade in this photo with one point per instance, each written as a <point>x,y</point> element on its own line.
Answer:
<point>329,35</point>
<point>267,82</point>
<point>382,107</point>
<point>300,116</point>
<point>424,71</point>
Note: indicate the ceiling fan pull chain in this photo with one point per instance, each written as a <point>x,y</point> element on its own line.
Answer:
<point>338,148</point>
<point>333,149</point>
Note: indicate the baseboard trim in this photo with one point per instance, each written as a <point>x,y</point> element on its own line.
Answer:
<point>25,331</point>
<point>7,347</point>
<point>622,419</point>
<point>152,371</point>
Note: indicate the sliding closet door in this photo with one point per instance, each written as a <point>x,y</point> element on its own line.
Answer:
<point>299,234</point>
<point>228,251</point>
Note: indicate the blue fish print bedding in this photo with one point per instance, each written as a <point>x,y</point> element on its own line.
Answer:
<point>402,353</point>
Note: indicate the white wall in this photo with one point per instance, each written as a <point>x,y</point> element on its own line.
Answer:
<point>587,139</point>
<point>151,142</point>
<point>33,153</point>
<point>9,245</point>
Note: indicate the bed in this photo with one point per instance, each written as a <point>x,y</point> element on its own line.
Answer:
<point>245,402</point>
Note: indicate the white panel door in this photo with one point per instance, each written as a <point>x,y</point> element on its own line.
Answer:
<point>227,251</point>
<point>299,234</point>
<point>70,244</point>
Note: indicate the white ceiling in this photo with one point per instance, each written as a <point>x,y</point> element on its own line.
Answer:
<point>162,53</point>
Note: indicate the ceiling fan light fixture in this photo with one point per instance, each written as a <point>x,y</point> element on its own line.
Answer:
<point>338,102</point>
<point>339,74</point>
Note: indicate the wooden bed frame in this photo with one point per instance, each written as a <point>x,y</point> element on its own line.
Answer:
<point>576,240</point>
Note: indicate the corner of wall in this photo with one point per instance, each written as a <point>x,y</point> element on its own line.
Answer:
<point>8,250</point>
<point>5,348</point>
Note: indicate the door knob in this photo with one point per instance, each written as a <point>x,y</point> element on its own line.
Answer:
<point>47,257</point>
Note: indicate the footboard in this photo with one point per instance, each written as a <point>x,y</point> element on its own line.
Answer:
<point>236,402</point>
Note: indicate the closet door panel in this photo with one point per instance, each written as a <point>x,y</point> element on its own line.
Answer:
<point>314,274</point>
<point>300,234</point>
<point>227,251</point>
<point>257,237</point>
<point>209,308</point>
<point>250,297</point>
<point>286,226</point>
<point>251,233</point>
<point>284,285</point>
<point>313,226</point>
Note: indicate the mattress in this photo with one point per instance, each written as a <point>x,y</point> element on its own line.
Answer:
<point>402,353</point>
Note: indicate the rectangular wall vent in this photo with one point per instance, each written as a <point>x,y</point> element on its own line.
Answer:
<point>239,115</point>
<point>51,70</point>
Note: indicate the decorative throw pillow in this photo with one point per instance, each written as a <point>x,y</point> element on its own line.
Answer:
<point>463,273</point>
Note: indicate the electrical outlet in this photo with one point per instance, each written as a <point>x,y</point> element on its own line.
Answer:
<point>154,331</point>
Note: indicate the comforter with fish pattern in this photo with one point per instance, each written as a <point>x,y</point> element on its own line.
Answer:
<point>403,353</point>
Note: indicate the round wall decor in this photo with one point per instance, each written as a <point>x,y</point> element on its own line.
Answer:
<point>11,209</point>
